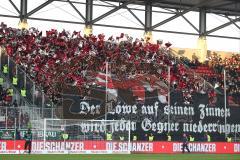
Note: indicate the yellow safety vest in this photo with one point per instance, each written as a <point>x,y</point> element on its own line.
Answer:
<point>191,139</point>
<point>121,138</point>
<point>23,92</point>
<point>1,81</point>
<point>5,69</point>
<point>134,138</point>
<point>109,136</point>
<point>150,138</point>
<point>169,138</point>
<point>29,125</point>
<point>65,136</point>
<point>15,80</point>
<point>208,138</point>
<point>229,139</point>
<point>10,90</point>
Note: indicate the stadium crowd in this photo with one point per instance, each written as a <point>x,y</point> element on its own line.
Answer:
<point>9,107</point>
<point>58,59</point>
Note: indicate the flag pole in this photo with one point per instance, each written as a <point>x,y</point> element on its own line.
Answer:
<point>225,102</point>
<point>106,91</point>
<point>169,91</point>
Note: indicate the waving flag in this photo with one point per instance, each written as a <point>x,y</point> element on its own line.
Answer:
<point>137,86</point>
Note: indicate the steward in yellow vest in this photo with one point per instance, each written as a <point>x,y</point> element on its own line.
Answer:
<point>169,138</point>
<point>134,137</point>
<point>109,136</point>
<point>15,81</point>
<point>208,138</point>
<point>121,138</point>
<point>23,92</point>
<point>191,138</point>
<point>151,138</point>
<point>10,91</point>
<point>229,139</point>
<point>1,81</point>
<point>5,69</point>
<point>65,136</point>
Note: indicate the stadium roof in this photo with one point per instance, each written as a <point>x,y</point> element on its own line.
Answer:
<point>152,12</point>
<point>228,7</point>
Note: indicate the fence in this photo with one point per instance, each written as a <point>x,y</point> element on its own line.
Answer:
<point>23,117</point>
<point>35,95</point>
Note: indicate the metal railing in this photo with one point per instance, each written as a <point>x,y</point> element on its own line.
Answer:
<point>22,117</point>
<point>35,95</point>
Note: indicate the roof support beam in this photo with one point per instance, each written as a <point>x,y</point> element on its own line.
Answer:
<point>182,13</point>
<point>14,6</point>
<point>55,20</point>
<point>108,5</point>
<point>23,9</point>
<point>129,10</point>
<point>225,3</point>
<point>39,7</point>
<point>79,13</point>
<point>202,22</point>
<point>148,16</point>
<point>112,11</point>
<point>8,16</point>
<point>171,18</point>
<point>233,22</point>
<point>123,27</point>
<point>89,12</point>
<point>222,26</point>
<point>190,23</point>
<point>134,15</point>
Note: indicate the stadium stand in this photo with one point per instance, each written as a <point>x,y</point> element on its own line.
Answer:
<point>58,59</point>
<point>63,57</point>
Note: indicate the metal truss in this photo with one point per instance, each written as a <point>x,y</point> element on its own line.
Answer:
<point>177,8</point>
